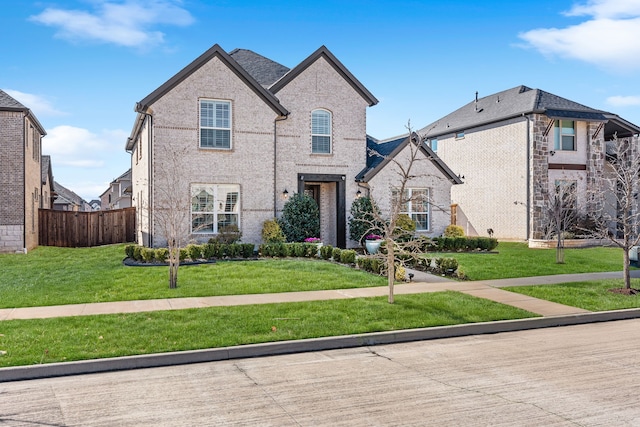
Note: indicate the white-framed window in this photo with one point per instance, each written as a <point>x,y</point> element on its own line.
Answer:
<point>215,124</point>
<point>460,135</point>
<point>415,204</point>
<point>214,206</point>
<point>321,132</point>
<point>564,135</point>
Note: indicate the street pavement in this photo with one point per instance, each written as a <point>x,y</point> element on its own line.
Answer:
<point>583,375</point>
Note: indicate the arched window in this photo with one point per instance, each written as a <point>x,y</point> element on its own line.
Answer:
<point>321,132</point>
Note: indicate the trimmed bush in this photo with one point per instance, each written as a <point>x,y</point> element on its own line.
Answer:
<point>312,250</point>
<point>453,231</point>
<point>370,264</point>
<point>400,272</point>
<point>298,249</point>
<point>348,256</point>
<point>137,253</point>
<point>128,250</point>
<point>463,243</point>
<point>326,252</point>
<point>248,250</point>
<point>335,254</point>
<point>405,228</point>
<point>184,254</point>
<point>300,218</point>
<point>162,254</point>
<point>148,254</point>
<point>272,233</point>
<point>447,265</point>
<point>194,251</point>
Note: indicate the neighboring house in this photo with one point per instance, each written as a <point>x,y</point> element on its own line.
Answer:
<point>47,191</point>
<point>514,147</point>
<point>20,175</point>
<point>118,195</point>
<point>95,204</point>
<point>428,191</point>
<point>67,200</point>
<point>250,132</point>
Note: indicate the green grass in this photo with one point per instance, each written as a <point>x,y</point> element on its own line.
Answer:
<point>517,260</point>
<point>592,295</point>
<point>28,342</point>
<point>57,276</point>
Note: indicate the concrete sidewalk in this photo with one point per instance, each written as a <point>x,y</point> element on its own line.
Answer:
<point>423,282</point>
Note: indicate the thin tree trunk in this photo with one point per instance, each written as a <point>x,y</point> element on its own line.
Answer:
<point>625,270</point>
<point>391,268</point>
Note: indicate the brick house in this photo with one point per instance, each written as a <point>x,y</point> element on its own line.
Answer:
<point>20,175</point>
<point>250,132</point>
<point>512,148</point>
<point>428,192</point>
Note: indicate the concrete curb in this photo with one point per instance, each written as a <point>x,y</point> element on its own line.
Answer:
<point>20,373</point>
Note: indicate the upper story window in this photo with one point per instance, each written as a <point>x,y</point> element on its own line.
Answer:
<point>433,144</point>
<point>564,135</point>
<point>215,124</point>
<point>460,135</point>
<point>321,132</point>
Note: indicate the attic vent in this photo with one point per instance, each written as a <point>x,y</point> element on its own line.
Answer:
<point>498,98</point>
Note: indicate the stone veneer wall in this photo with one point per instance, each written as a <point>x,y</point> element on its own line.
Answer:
<point>539,175</point>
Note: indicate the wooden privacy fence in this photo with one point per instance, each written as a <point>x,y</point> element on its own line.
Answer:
<point>83,229</point>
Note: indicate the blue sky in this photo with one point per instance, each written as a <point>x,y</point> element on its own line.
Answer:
<point>81,65</point>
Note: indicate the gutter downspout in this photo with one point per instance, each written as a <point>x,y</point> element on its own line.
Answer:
<point>275,163</point>
<point>528,176</point>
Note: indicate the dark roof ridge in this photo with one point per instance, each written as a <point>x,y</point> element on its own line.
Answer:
<point>322,51</point>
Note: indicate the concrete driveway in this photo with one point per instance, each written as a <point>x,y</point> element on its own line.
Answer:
<point>583,375</point>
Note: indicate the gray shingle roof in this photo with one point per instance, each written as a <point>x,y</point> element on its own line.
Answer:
<point>264,70</point>
<point>512,103</point>
<point>7,102</point>
<point>66,196</point>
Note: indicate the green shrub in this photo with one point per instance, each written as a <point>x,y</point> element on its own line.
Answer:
<point>348,256</point>
<point>194,251</point>
<point>362,221</point>
<point>298,249</point>
<point>326,252</point>
<point>210,250</point>
<point>148,254</point>
<point>400,273</point>
<point>463,243</point>
<point>162,254</point>
<point>272,233</point>
<point>370,264</point>
<point>405,228</point>
<point>447,265</point>
<point>184,254</point>
<point>233,250</point>
<point>335,254</point>
<point>229,234</point>
<point>453,231</point>
<point>311,250</point>
<point>137,253</point>
<point>300,218</point>
<point>248,250</point>
<point>128,250</point>
<point>274,250</point>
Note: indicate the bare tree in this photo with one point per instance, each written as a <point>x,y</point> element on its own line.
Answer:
<point>397,249</point>
<point>171,207</point>
<point>562,214</point>
<point>616,216</point>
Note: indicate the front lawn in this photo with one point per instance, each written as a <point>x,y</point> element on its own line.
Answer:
<point>517,260</point>
<point>592,295</point>
<point>57,276</point>
<point>28,342</point>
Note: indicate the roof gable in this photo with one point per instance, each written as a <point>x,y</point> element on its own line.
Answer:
<point>8,103</point>
<point>214,52</point>
<point>323,52</point>
<point>379,154</point>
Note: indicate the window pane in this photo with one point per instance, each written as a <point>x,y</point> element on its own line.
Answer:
<point>227,219</point>
<point>320,144</point>
<point>222,115</point>
<point>568,127</point>
<point>567,142</point>
<point>206,114</point>
<point>215,138</point>
<point>202,202</point>
<point>320,123</point>
<point>202,223</point>
<point>419,201</point>
<point>422,221</point>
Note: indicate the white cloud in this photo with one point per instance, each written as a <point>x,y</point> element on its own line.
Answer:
<point>126,23</point>
<point>40,106</point>
<point>80,148</point>
<point>623,101</point>
<point>609,39</point>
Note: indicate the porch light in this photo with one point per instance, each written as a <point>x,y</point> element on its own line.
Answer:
<point>358,194</point>
<point>285,193</point>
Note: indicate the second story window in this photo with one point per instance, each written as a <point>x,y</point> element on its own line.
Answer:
<point>321,132</point>
<point>564,135</point>
<point>433,144</point>
<point>215,124</point>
